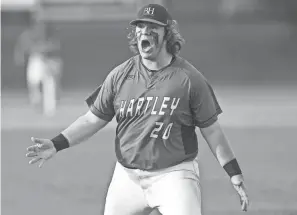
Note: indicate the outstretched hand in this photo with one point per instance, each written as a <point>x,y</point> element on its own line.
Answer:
<point>238,184</point>
<point>41,151</point>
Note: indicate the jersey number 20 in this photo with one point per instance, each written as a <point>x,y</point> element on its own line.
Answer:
<point>165,135</point>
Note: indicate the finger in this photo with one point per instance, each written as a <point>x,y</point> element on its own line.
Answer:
<point>42,146</point>
<point>241,190</point>
<point>244,202</point>
<point>244,205</point>
<point>31,154</point>
<point>41,163</point>
<point>34,160</point>
<point>35,148</point>
<point>36,140</point>
<point>242,196</point>
<point>32,148</point>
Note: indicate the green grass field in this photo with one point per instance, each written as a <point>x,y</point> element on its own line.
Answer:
<point>260,124</point>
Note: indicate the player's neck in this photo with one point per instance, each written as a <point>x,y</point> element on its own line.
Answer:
<point>163,60</point>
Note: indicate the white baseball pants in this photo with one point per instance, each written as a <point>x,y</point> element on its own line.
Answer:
<point>173,191</point>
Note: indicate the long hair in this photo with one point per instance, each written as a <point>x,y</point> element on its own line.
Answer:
<point>174,39</point>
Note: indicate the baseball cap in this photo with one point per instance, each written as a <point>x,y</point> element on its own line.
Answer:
<point>154,13</point>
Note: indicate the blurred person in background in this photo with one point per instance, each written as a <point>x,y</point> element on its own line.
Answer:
<point>38,52</point>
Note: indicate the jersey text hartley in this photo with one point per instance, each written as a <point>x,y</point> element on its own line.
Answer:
<point>142,104</point>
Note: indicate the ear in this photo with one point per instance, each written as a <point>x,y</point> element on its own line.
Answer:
<point>177,46</point>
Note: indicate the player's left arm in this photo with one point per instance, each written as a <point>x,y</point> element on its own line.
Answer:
<point>221,149</point>
<point>218,143</point>
<point>22,48</point>
<point>19,51</point>
<point>205,108</point>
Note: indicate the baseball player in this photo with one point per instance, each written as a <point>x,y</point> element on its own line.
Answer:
<point>158,98</point>
<point>34,50</point>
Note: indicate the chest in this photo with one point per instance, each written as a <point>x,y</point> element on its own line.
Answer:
<point>157,95</point>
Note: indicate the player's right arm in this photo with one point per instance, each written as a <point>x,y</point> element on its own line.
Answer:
<point>79,131</point>
<point>83,128</point>
<point>101,112</point>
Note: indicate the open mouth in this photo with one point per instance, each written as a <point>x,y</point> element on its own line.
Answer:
<point>147,45</point>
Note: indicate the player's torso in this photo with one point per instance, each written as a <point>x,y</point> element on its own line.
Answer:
<point>155,128</point>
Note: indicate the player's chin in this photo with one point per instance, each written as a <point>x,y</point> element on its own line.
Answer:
<point>147,55</point>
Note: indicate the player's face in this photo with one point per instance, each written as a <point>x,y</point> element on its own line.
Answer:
<point>150,38</point>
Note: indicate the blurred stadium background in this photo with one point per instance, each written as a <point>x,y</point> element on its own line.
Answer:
<point>246,48</point>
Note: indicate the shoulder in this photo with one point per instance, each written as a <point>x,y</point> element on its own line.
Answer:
<point>189,71</point>
<point>123,67</point>
<point>119,72</point>
<point>127,64</point>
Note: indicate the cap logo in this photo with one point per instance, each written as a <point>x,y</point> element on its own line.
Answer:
<point>149,11</point>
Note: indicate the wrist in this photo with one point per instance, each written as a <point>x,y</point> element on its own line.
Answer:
<point>60,142</point>
<point>232,168</point>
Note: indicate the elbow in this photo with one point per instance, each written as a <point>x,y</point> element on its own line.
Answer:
<point>212,130</point>
<point>91,118</point>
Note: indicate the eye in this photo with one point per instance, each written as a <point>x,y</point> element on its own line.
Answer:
<point>140,25</point>
<point>154,26</point>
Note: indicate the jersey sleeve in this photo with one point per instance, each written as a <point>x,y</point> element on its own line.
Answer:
<point>203,101</point>
<point>101,100</point>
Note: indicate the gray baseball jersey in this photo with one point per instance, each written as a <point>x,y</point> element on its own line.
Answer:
<point>156,112</point>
